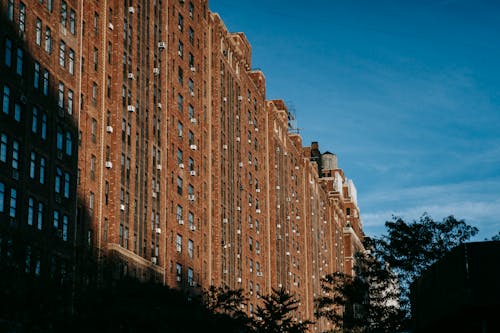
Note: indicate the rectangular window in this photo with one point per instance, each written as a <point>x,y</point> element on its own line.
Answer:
<point>190,275</point>
<point>43,133</point>
<point>70,102</point>
<point>34,120</point>
<point>32,165</point>
<point>67,180</point>
<point>3,148</point>
<point>190,248</point>
<point>38,37</point>
<point>62,54</point>
<point>40,216</point>
<point>15,155</point>
<point>91,203</point>
<point>22,16</point>
<point>64,13</point>
<point>178,272</point>
<point>50,5</point>
<point>6,99</point>
<point>45,82</point>
<point>191,36</point>
<point>36,76</point>
<point>72,19</point>
<point>48,40</point>
<point>41,172</point>
<point>58,180</point>
<point>179,129</point>
<point>179,185</point>
<point>92,167</point>
<point>19,61</point>
<point>13,203</point>
<point>180,103</point>
<point>8,52</point>
<point>94,93</point>
<point>31,211</point>
<point>179,213</point>
<point>60,96</point>
<point>178,243</point>
<point>2,197</point>
<point>180,22</point>
<point>10,10</point>
<point>71,65</point>
<point>96,58</point>
<point>65,227</point>
<point>180,50</point>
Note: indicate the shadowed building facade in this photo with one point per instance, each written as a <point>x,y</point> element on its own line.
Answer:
<point>137,133</point>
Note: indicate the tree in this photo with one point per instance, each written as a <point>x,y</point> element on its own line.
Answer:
<point>410,248</point>
<point>276,314</point>
<point>365,302</point>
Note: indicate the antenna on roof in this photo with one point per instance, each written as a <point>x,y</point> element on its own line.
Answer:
<point>292,120</point>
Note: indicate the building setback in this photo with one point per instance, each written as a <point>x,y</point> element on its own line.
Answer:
<point>137,133</point>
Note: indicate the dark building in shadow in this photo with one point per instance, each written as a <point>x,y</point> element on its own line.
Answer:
<point>461,292</point>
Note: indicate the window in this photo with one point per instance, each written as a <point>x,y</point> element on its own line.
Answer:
<point>180,22</point>
<point>191,60</point>
<point>50,5</point>
<point>181,49</point>
<point>96,23</point>
<point>191,138</point>
<point>31,210</point>
<point>40,216</point>
<point>60,139</point>
<point>92,167</point>
<point>191,218</point>
<point>41,172</point>
<point>65,228</point>
<point>48,40</point>
<point>8,52</point>
<point>3,148</point>
<point>94,93</point>
<point>38,37</point>
<point>13,203</point>
<point>179,129</point>
<point>179,156</point>
<point>191,10</point>
<point>60,96</point>
<point>69,143</point>
<point>179,213</point>
<point>91,203</point>
<point>15,155</point>
<point>190,249</point>
<point>179,185</point>
<point>96,58</point>
<point>64,13</point>
<point>191,111</point>
<point>191,36</point>
<point>70,102</point>
<point>67,180</point>
<point>71,67</point>
<point>45,82</point>
<point>36,76</point>
<point>93,130</point>
<point>10,10</point>
<point>72,24</point>
<point>180,103</point>
<point>62,54</point>
<point>191,164</point>
<point>32,165</point>
<point>180,76</point>
<point>2,197</point>
<point>190,190</point>
<point>250,243</point>
<point>178,244</point>
<point>43,133</point>
<point>178,272</point>
<point>19,62</point>
<point>22,16</point>
<point>6,99</point>
<point>58,179</point>
<point>190,277</point>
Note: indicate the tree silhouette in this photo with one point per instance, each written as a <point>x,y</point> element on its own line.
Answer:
<point>276,314</point>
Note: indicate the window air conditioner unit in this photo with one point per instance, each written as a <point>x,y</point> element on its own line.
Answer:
<point>122,207</point>
<point>153,194</point>
<point>250,122</point>
<point>131,108</point>
<point>287,253</point>
<point>256,129</point>
<point>180,27</point>
<point>109,129</point>
<point>241,164</point>
<point>193,120</point>
<point>258,211</point>
<point>131,10</point>
<point>178,279</point>
<point>240,98</point>
<point>238,232</point>
<point>239,280</point>
<point>156,71</point>
<point>130,76</point>
<point>158,230</point>
<point>238,139</point>
<point>162,45</point>
<point>296,167</point>
<point>191,197</point>
<point>224,220</point>
<point>224,99</point>
<point>191,93</point>
<point>278,206</point>
<point>224,147</point>
<point>192,173</point>
<point>154,260</point>
<point>277,187</point>
<point>238,208</point>
<point>192,227</point>
<point>179,52</point>
<point>159,105</point>
<point>193,69</point>
<point>193,147</point>
<point>181,165</point>
<point>109,164</point>
<point>259,273</point>
<point>110,26</point>
<point>257,190</point>
<point>278,226</point>
<point>257,251</point>
<point>158,167</point>
<point>181,221</point>
<point>192,284</point>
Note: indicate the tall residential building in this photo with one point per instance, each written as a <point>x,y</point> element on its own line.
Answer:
<point>137,138</point>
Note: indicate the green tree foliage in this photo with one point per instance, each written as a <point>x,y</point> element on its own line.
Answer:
<point>410,248</point>
<point>276,314</point>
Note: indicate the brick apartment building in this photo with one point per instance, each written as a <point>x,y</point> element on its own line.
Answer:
<point>137,132</point>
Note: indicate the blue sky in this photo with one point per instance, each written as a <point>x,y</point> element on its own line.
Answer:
<point>406,93</point>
